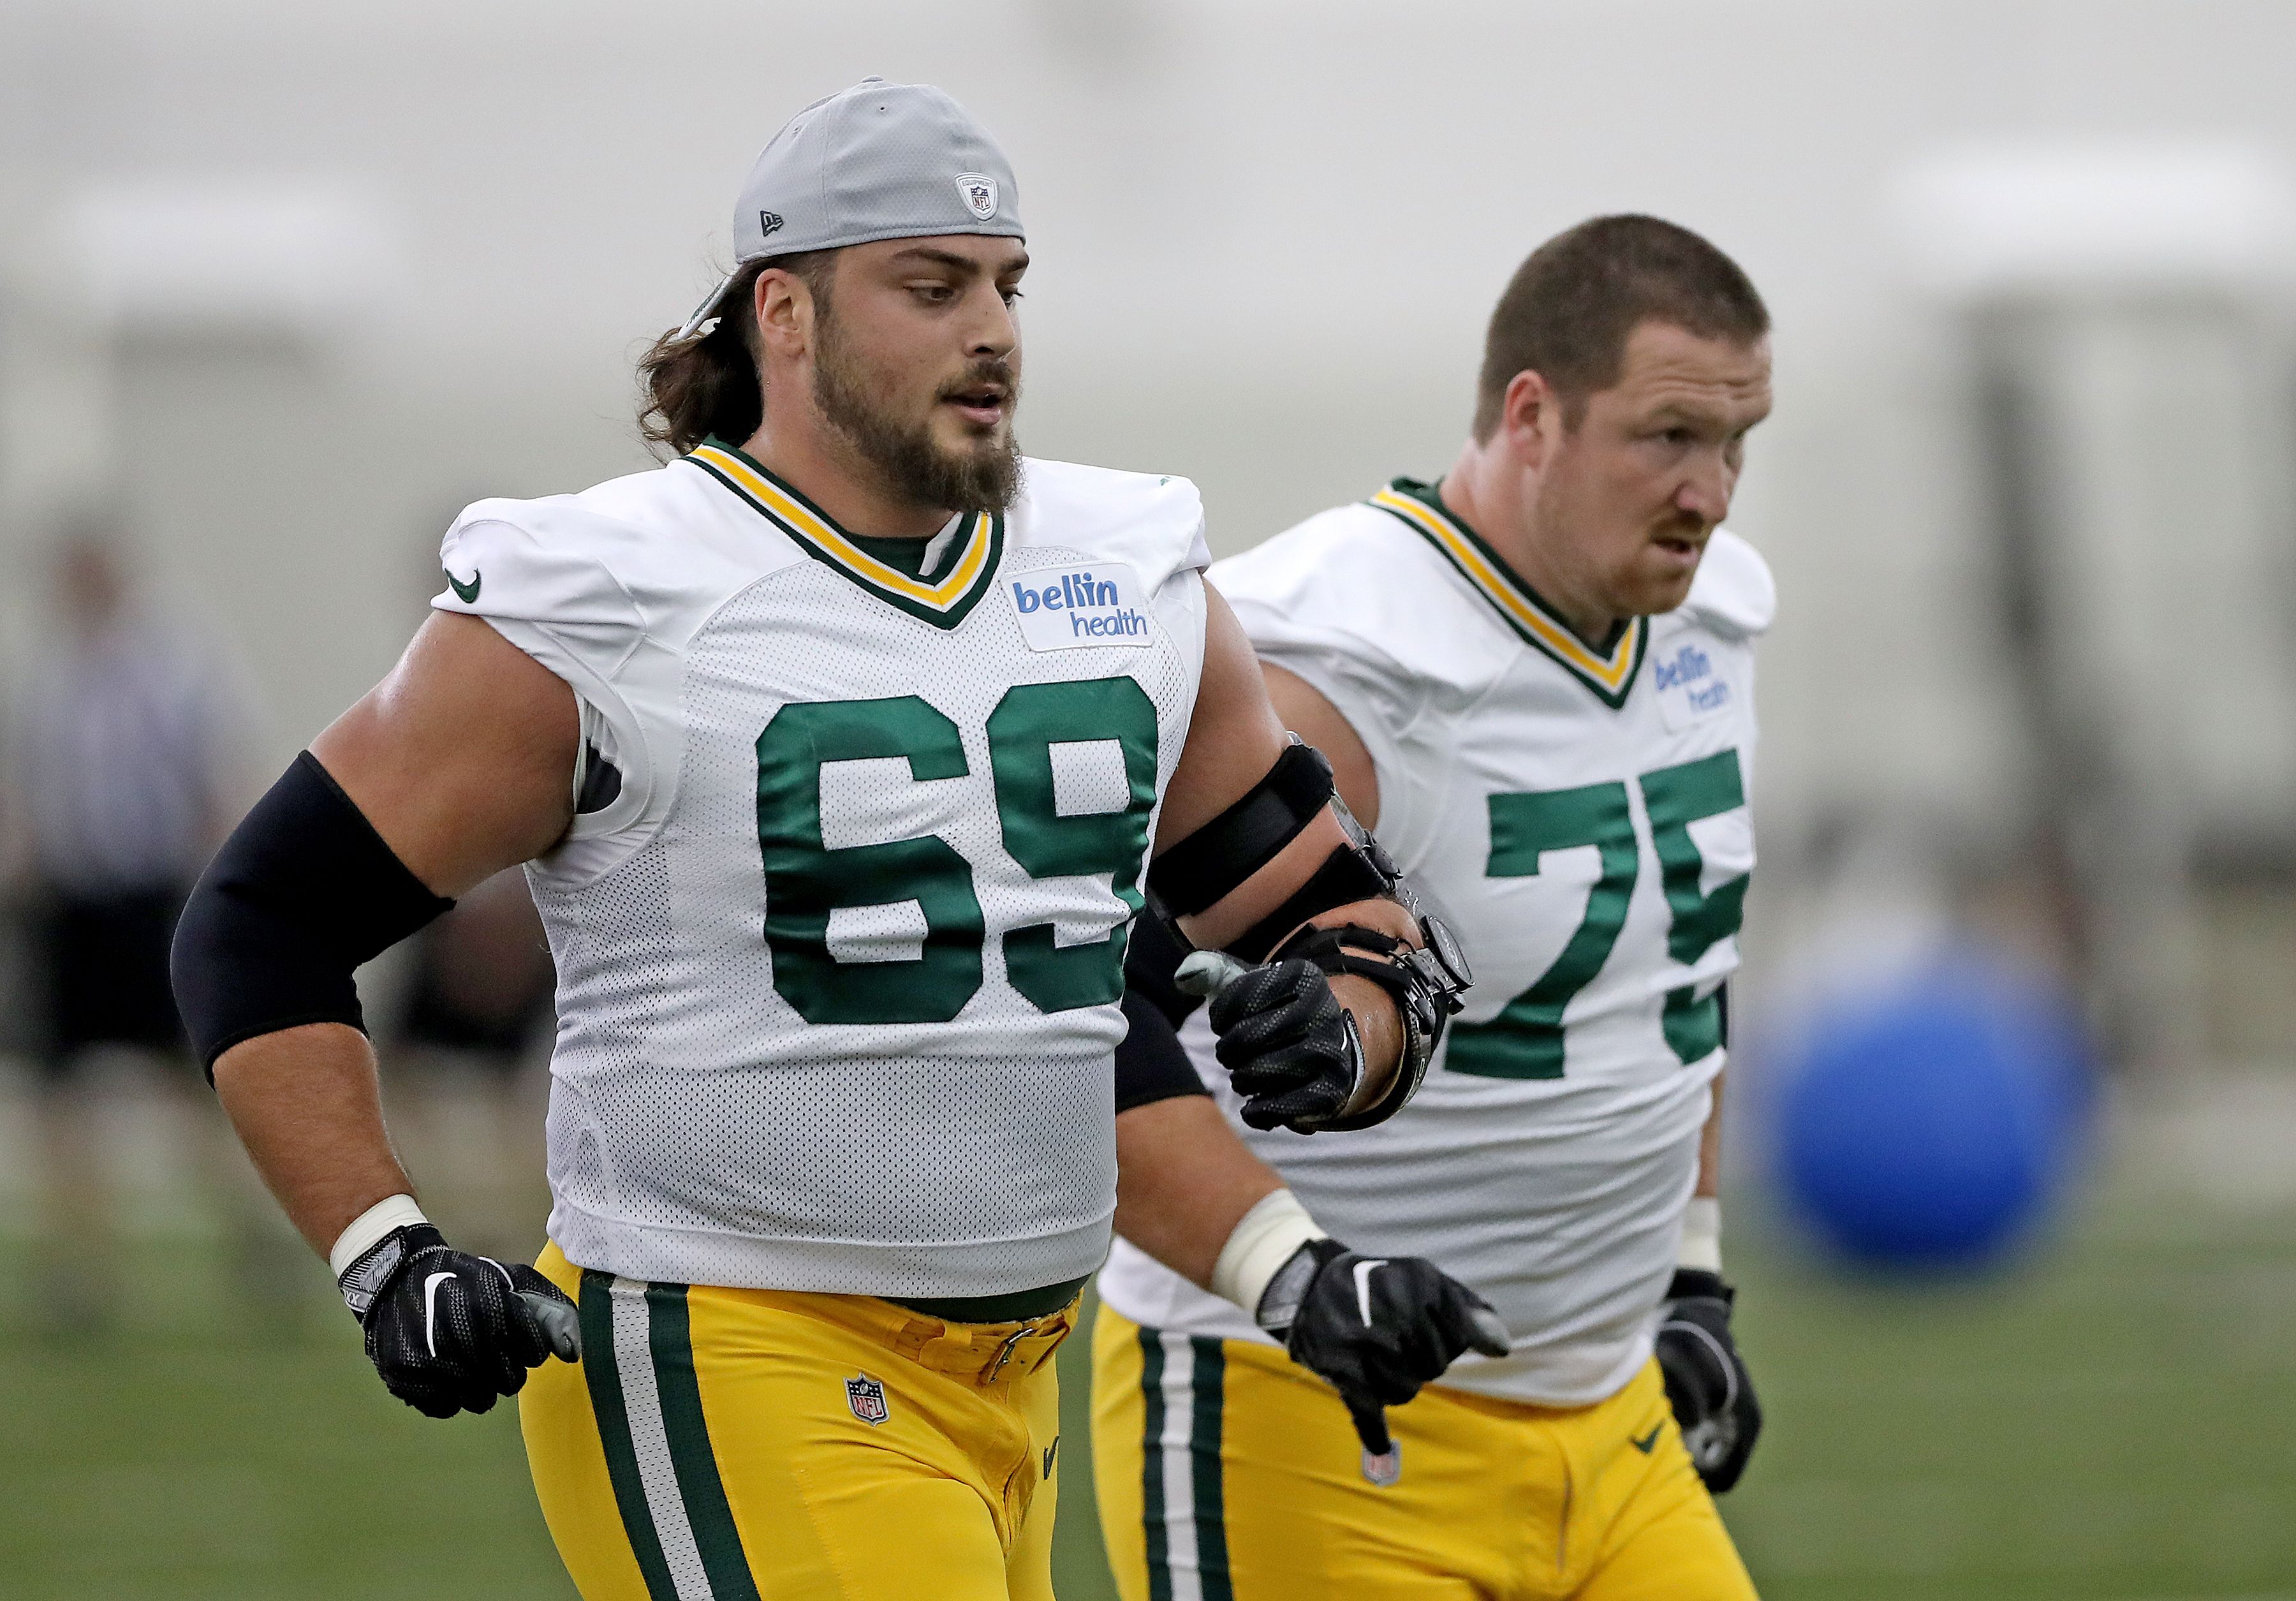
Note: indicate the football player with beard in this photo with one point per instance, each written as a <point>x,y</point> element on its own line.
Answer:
<point>837,749</point>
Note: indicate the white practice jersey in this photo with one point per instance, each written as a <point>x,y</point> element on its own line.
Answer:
<point>839,962</point>
<point>1579,818</point>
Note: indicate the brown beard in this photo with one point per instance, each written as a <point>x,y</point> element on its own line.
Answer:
<point>915,466</point>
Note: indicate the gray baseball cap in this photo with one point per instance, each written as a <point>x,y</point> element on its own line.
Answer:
<point>878,161</point>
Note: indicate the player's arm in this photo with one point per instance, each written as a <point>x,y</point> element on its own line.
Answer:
<point>1192,1196</point>
<point>459,764</point>
<point>1309,713</point>
<point>1707,1382</point>
<point>1337,989</point>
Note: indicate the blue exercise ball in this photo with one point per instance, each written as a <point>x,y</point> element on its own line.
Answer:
<point>1928,1121</point>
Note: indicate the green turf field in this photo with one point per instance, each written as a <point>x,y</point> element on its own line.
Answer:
<point>2115,1419</point>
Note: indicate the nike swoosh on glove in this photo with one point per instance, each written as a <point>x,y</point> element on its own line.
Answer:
<point>1289,1046</point>
<point>1706,1379</point>
<point>453,1333</point>
<point>1378,1328</point>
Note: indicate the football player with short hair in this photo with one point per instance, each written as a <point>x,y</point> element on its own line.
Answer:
<point>836,749</point>
<point>1535,679</point>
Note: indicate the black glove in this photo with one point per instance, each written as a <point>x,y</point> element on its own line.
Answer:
<point>1289,1046</point>
<point>1706,1379</point>
<point>450,1332</point>
<point>1375,1328</point>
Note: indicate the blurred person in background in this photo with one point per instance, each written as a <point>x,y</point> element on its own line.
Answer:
<point>126,762</point>
<point>1535,679</point>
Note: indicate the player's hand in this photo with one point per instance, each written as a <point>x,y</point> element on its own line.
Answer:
<point>1706,1378</point>
<point>450,1332</point>
<point>1375,1328</point>
<point>1290,1049</point>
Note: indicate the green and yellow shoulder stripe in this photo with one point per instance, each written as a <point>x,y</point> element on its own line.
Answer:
<point>1610,672</point>
<point>943,603</point>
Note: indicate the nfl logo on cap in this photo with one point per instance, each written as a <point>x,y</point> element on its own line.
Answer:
<point>979,192</point>
<point>867,1397</point>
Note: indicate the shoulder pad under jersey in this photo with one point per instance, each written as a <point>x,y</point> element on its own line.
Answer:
<point>1154,522</point>
<point>1733,594</point>
<point>1356,582</point>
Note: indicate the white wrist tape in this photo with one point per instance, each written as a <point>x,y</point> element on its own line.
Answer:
<point>392,1211</point>
<point>1263,1240</point>
<point>1701,1235</point>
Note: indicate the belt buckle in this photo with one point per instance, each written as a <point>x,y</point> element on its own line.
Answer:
<point>1005,1349</point>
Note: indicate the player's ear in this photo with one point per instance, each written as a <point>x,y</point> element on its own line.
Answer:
<point>784,307</point>
<point>1531,417</point>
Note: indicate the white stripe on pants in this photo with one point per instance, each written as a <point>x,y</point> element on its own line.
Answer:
<point>1180,1537</point>
<point>650,1441</point>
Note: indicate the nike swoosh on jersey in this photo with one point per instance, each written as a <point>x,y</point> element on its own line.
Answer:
<point>468,594</point>
<point>1648,1441</point>
<point>430,1310</point>
<point>1363,1271</point>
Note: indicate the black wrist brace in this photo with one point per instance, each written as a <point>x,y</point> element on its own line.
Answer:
<point>1426,984</point>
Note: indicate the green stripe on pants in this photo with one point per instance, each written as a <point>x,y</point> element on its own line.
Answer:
<point>1210,1375</point>
<point>602,1372</point>
<point>1151,1469</point>
<point>715,1537</point>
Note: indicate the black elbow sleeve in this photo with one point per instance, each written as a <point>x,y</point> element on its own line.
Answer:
<point>1152,1065</point>
<point>302,893</point>
<point>1219,856</point>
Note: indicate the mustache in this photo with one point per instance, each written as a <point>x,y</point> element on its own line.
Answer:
<point>990,372</point>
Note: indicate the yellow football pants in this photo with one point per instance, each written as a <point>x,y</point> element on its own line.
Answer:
<point>740,1444</point>
<point>1228,1473</point>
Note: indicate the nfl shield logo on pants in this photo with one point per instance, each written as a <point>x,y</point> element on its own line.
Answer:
<point>867,1397</point>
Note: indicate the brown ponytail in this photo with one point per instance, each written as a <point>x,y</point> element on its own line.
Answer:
<point>707,385</point>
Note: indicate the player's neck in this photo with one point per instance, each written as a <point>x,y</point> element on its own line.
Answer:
<point>825,468</point>
<point>1492,495</point>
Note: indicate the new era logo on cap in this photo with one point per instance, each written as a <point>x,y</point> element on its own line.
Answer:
<point>769,223</point>
<point>979,192</point>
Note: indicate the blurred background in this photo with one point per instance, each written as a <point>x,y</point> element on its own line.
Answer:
<point>2014,1199</point>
